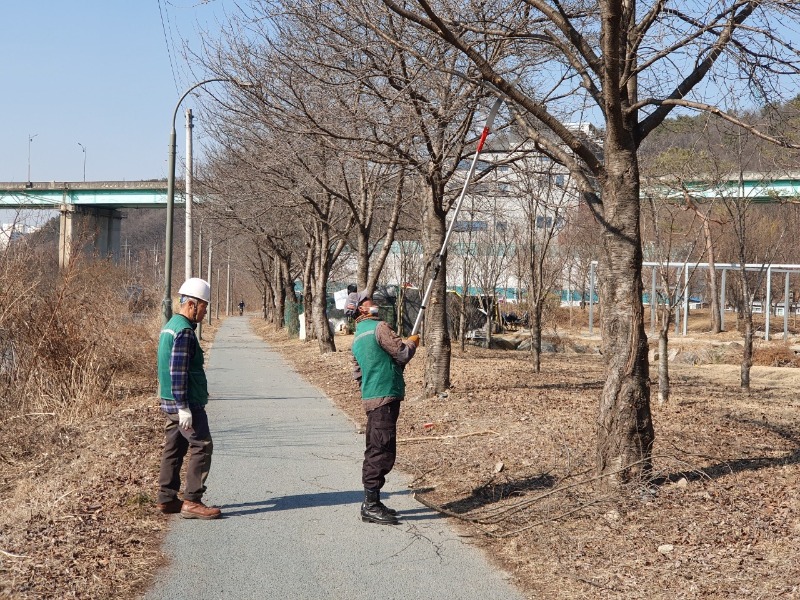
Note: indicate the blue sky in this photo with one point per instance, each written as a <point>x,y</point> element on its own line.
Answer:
<point>102,73</point>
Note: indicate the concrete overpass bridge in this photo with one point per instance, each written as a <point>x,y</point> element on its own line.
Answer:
<point>91,208</point>
<point>95,207</point>
<point>751,186</point>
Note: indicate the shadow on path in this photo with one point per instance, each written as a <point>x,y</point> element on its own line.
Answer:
<point>318,500</point>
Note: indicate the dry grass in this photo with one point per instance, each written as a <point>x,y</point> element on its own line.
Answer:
<point>81,433</point>
<point>510,456</point>
<point>508,453</point>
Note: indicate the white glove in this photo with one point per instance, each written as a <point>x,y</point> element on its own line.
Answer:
<point>184,418</point>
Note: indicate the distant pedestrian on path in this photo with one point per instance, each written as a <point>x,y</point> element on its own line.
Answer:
<point>184,394</point>
<point>241,307</point>
<point>379,357</point>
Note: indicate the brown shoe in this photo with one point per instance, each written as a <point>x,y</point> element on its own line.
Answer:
<point>171,507</point>
<point>198,510</point>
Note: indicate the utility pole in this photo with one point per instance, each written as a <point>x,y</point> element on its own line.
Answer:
<point>228,288</point>
<point>188,194</point>
<point>218,295</point>
<point>208,314</point>
<point>200,274</point>
<point>200,252</point>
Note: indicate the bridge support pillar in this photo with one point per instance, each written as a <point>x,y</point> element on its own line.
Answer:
<point>97,230</point>
<point>65,234</point>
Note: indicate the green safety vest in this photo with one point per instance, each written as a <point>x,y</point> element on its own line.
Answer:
<point>381,376</point>
<point>198,385</point>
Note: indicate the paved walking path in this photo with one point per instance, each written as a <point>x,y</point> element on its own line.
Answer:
<point>287,474</point>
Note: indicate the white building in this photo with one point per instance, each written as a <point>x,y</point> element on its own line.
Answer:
<point>514,185</point>
<point>14,231</point>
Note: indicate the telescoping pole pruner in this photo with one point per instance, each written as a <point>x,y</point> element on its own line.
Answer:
<point>437,260</point>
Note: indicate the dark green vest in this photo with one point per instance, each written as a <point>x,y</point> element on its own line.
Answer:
<point>380,375</point>
<point>198,386</point>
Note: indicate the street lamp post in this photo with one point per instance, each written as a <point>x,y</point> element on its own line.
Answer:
<point>84,160</point>
<point>166,304</point>
<point>30,139</point>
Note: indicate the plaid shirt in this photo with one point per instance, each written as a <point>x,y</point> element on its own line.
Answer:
<point>182,353</point>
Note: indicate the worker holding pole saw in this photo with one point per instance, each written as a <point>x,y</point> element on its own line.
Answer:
<point>379,358</point>
<point>439,257</point>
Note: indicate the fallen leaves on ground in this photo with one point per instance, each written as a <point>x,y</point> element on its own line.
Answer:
<point>509,455</point>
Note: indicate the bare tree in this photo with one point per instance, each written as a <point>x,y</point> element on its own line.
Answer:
<point>462,265</point>
<point>406,268</point>
<point>741,218</point>
<point>635,69</point>
<point>426,96</point>
<point>494,252</point>
<point>671,241</point>
<point>545,198</point>
<point>239,199</point>
<point>675,163</point>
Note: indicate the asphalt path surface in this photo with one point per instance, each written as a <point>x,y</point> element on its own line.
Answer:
<point>286,472</point>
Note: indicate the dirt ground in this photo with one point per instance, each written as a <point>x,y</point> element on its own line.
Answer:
<point>77,497</point>
<point>77,516</point>
<point>509,454</point>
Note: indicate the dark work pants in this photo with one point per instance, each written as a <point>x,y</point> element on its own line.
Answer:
<point>177,442</point>
<point>381,442</point>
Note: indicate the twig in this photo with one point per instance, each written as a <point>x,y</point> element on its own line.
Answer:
<point>12,555</point>
<point>446,437</point>
<point>594,583</point>
<point>62,496</point>
<point>541,521</point>
<point>523,504</point>
<point>34,414</point>
<point>442,510</point>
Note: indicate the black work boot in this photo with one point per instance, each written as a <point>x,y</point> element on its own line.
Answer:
<point>372,511</point>
<point>391,511</point>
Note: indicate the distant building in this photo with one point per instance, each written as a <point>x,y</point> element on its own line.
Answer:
<point>515,184</point>
<point>10,232</point>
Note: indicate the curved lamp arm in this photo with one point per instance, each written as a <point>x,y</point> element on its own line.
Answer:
<point>166,303</point>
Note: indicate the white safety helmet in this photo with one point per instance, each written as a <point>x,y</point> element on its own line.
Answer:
<point>196,288</point>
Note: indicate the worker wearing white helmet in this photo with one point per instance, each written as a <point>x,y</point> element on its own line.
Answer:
<point>184,394</point>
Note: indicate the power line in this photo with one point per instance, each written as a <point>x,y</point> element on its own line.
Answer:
<point>166,43</point>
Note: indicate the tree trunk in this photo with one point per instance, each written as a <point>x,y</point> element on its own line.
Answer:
<point>437,340</point>
<point>280,298</point>
<point>536,336</point>
<point>388,240</point>
<point>309,309</point>
<point>268,304</point>
<point>321,260</point>
<point>663,361</point>
<point>437,337</point>
<point>625,427</point>
<point>308,267</point>
<point>362,269</point>
<point>465,281</point>
<point>321,326</point>
<point>489,313</point>
<point>288,290</point>
<point>711,275</point>
<point>747,353</point>
<point>747,323</point>
<point>462,322</point>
